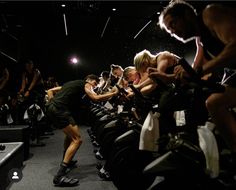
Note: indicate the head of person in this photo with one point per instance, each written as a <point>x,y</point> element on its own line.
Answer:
<point>105,75</point>
<point>116,70</point>
<point>131,75</point>
<point>29,65</point>
<point>143,60</point>
<point>179,19</point>
<point>92,79</point>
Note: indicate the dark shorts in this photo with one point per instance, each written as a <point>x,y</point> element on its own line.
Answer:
<point>60,116</point>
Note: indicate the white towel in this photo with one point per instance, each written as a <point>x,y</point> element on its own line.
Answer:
<point>180,118</point>
<point>120,108</point>
<point>108,105</point>
<point>209,147</point>
<point>39,116</point>
<point>150,132</point>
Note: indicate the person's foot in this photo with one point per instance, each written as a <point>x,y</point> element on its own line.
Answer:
<point>64,181</point>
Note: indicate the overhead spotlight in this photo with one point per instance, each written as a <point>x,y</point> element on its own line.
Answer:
<point>63,5</point>
<point>74,60</point>
<point>158,13</point>
<point>114,9</point>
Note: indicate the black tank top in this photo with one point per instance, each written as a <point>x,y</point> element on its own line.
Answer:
<point>29,79</point>
<point>70,96</point>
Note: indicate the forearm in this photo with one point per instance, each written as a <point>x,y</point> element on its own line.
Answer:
<point>103,97</point>
<point>225,59</point>
<point>53,91</point>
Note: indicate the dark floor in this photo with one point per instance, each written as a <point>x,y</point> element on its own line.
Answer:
<point>39,169</point>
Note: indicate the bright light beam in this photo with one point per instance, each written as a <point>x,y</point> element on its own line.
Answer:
<point>105,26</point>
<point>142,29</point>
<point>64,17</point>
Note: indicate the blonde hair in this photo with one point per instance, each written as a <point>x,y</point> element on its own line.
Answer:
<point>127,70</point>
<point>142,60</point>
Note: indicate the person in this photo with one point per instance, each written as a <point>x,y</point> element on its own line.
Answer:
<point>51,82</point>
<point>131,75</point>
<point>32,85</point>
<point>61,109</point>
<point>104,83</point>
<point>150,66</point>
<point>4,78</point>
<point>216,28</point>
<point>116,70</point>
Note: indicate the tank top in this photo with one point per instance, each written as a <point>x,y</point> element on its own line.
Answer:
<point>70,96</point>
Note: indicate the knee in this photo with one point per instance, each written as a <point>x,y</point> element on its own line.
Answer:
<point>78,141</point>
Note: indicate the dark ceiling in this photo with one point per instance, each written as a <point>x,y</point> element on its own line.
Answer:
<point>36,30</point>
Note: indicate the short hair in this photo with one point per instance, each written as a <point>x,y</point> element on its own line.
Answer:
<point>105,74</point>
<point>113,67</point>
<point>92,77</point>
<point>175,8</point>
<point>141,59</point>
<point>126,72</point>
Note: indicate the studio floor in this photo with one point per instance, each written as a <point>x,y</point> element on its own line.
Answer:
<point>38,171</point>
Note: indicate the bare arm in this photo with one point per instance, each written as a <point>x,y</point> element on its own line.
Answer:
<point>221,22</point>
<point>51,92</point>
<point>4,79</point>
<point>199,56</point>
<point>164,61</point>
<point>98,97</point>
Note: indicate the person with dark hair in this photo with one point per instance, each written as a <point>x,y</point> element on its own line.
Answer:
<point>215,27</point>
<point>61,110</point>
<point>116,70</point>
<point>105,82</point>
<point>32,85</point>
<point>51,82</point>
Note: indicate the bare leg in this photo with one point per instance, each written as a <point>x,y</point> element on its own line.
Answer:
<point>73,133</point>
<point>67,141</point>
<point>218,105</point>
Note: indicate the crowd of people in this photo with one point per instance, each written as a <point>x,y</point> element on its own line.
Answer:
<point>214,31</point>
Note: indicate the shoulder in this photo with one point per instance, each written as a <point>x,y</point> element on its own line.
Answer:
<point>212,13</point>
<point>165,55</point>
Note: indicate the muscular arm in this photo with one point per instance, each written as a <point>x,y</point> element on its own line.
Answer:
<point>4,79</point>
<point>221,22</point>
<point>53,91</point>
<point>23,83</point>
<point>164,61</point>
<point>98,97</point>
<point>199,56</point>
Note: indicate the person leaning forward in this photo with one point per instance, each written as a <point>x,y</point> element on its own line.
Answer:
<point>61,108</point>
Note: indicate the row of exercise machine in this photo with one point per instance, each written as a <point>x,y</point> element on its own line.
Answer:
<point>183,158</point>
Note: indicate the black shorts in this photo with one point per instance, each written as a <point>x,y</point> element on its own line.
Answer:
<point>60,116</point>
